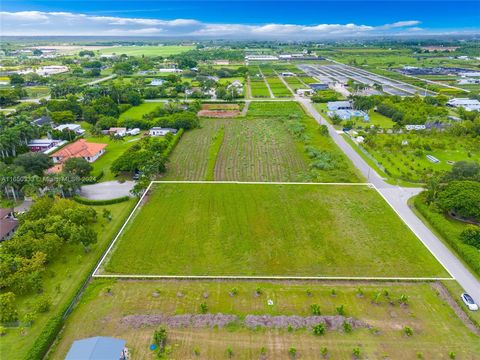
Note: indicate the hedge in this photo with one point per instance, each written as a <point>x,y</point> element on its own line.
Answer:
<point>468,253</point>
<point>45,339</point>
<point>173,143</point>
<point>85,201</point>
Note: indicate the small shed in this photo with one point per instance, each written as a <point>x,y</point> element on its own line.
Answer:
<point>97,348</point>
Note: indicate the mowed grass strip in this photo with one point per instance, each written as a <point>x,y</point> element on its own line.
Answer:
<point>274,230</point>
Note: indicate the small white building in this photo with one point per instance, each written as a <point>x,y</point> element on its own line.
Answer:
<point>170,70</point>
<point>159,131</point>
<point>71,127</point>
<point>305,92</point>
<point>134,131</point>
<point>415,127</point>
<point>157,82</point>
<point>41,145</point>
<point>118,131</point>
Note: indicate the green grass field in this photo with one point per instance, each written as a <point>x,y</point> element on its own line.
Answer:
<point>136,112</point>
<point>147,50</point>
<point>62,280</point>
<point>437,330</point>
<point>296,230</point>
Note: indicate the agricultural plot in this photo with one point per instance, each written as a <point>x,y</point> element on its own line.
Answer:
<point>295,82</point>
<point>269,230</point>
<point>259,88</point>
<point>253,150</point>
<point>278,87</point>
<point>404,156</point>
<point>131,311</point>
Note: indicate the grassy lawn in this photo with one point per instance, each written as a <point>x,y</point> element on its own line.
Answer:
<point>436,329</point>
<point>136,112</point>
<point>63,278</point>
<point>147,50</point>
<point>114,149</point>
<point>297,230</point>
<point>34,92</point>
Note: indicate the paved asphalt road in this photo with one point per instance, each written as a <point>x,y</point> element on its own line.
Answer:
<point>397,197</point>
<point>107,190</point>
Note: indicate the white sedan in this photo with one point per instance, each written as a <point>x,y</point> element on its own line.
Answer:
<point>467,299</point>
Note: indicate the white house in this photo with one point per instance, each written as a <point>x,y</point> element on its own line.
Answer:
<point>237,85</point>
<point>158,131</point>
<point>118,131</point>
<point>71,127</point>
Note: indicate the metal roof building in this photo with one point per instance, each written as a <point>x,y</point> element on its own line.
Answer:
<point>97,348</point>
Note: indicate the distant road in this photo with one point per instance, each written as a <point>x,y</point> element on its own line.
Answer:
<point>113,76</point>
<point>397,197</point>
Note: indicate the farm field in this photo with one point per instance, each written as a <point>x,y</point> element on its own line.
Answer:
<point>251,150</point>
<point>266,145</point>
<point>114,149</point>
<point>121,312</point>
<point>147,50</point>
<point>269,230</point>
<point>259,88</point>
<point>136,112</point>
<point>278,87</point>
<point>65,276</point>
<point>295,82</point>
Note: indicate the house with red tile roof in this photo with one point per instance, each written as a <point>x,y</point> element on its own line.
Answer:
<point>80,148</point>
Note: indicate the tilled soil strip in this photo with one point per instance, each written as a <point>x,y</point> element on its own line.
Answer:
<point>251,321</point>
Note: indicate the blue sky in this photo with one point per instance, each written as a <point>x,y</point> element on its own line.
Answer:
<point>282,19</point>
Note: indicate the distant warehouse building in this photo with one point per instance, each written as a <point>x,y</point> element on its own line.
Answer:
<point>467,104</point>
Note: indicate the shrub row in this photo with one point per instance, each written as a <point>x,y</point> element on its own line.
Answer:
<point>468,253</point>
<point>45,339</point>
<point>173,143</point>
<point>85,201</point>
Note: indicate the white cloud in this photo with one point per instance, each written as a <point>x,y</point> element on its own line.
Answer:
<point>73,24</point>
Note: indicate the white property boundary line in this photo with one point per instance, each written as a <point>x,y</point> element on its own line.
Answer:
<point>246,277</point>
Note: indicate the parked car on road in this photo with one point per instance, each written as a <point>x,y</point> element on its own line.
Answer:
<point>468,300</point>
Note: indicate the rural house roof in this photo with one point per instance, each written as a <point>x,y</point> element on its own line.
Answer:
<point>96,348</point>
<point>6,226</point>
<point>80,148</point>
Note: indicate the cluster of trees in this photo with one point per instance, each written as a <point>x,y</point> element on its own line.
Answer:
<point>457,194</point>
<point>25,176</point>
<point>172,115</point>
<point>10,96</point>
<point>408,110</point>
<point>43,231</point>
<point>15,133</point>
<point>147,155</point>
<point>191,58</point>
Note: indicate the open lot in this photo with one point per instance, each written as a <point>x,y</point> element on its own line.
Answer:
<point>271,230</point>
<point>437,330</point>
<point>137,112</point>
